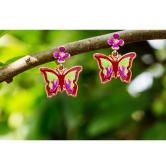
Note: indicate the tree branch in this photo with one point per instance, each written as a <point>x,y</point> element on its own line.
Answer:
<point>100,42</point>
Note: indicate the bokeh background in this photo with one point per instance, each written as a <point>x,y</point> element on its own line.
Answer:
<point>113,111</point>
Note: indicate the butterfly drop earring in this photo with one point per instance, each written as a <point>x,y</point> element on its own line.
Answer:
<point>115,65</point>
<point>61,78</point>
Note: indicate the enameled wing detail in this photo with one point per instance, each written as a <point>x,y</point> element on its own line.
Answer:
<point>51,79</point>
<point>61,80</point>
<point>70,80</point>
<point>106,67</point>
<point>124,66</point>
<point>115,66</point>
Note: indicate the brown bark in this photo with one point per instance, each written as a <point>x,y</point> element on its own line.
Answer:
<point>95,43</point>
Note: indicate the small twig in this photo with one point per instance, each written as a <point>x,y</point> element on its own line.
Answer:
<point>75,48</point>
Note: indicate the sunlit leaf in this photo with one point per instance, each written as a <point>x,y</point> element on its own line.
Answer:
<point>158,107</point>
<point>3,32</point>
<point>1,85</point>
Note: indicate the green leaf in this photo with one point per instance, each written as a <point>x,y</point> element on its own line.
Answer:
<point>13,59</point>
<point>155,132</point>
<point>3,32</point>
<point>1,64</point>
<point>1,86</point>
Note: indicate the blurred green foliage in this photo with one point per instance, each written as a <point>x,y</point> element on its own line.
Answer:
<point>99,112</point>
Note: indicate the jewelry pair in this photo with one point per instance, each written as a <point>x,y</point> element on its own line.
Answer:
<point>111,66</point>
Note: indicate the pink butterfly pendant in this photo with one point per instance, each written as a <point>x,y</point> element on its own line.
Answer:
<point>61,79</point>
<point>115,66</point>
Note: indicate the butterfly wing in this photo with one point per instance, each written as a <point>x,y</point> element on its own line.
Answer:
<point>70,80</point>
<point>51,79</point>
<point>124,66</point>
<point>105,64</point>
